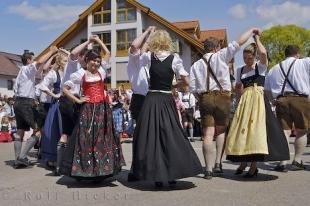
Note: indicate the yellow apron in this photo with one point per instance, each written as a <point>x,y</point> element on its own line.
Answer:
<point>247,133</point>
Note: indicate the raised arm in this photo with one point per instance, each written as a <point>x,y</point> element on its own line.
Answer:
<point>75,52</point>
<point>246,35</point>
<point>42,60</point>
<point>138,42</point>
<point>262,52</point>
<point>107,53</point>
<point>48,64</point>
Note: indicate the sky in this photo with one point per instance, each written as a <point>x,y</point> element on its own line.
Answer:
<point>34,24</point>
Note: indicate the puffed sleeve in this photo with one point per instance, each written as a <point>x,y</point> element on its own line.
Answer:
<point>49,79</point>
<point>75,78</point>
<point>178,67</point>
<point>229,52</point>
<point>145,59</point>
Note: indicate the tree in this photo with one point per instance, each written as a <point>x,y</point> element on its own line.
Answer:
<point>277,38</point>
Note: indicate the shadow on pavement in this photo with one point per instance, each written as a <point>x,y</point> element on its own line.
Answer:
<point>150,186</point>
<point>90,183</point>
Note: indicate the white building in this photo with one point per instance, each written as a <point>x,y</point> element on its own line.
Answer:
<point>119,22</point>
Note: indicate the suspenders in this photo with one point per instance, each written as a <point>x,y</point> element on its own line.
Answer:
<point>286,80</point>
<point>210,71</point>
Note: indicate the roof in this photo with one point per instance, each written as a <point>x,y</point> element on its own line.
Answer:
<point>77,25</point>
<point>218,33</point>
<point>186,24</point>
<point>14,57</point>
<point>7,67</point>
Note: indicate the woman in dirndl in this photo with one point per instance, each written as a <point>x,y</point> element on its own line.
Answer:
<point>52,129</point>
<point>255,134</point>
<point>162,152</point>
<point>94,151</point>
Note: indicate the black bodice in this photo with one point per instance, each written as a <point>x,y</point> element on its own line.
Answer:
<point>250,81</point>
<point>161,73</point>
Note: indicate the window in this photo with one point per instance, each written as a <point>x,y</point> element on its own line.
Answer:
<point>125,12</point>
<point>105,38</point>
<point>10,84</point>
<point>103,14</point>
<point>124,40</point>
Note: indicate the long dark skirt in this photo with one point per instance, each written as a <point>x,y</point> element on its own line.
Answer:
<point>52,132</point>
<point>277,144</point>
<point>94,150</point>
<point>162,151</point>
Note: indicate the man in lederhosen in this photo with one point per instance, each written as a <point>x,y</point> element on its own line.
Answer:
<point>189,103</point>
<point>25,105</point>
<point>138,76</point>
<point>210,79</point>
<point>289,83</point>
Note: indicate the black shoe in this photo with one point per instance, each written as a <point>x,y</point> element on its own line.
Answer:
<point>298,166</point>
<point>208,175</point>
<point>280,168</point>
<point>131,178</point>
<point>238,171</point>
<point>249,175</point>
<point>23,161</point>
<point>56,172</point>
<point>159,184</point>
<point>217,168</point>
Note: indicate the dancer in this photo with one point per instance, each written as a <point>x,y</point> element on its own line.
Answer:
<point>24,104</point>
<point>289,83</point>
<point>94,151</point>
<point>161,150</point>
<point>210,80</point>
<point>254,133</point>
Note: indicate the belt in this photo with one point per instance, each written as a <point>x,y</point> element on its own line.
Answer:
<point>161,91</point>
<point>25,98</point>
<point>216,92</point>
<point>292,94</point>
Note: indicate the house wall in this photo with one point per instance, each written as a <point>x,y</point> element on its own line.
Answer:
<point>4,86</point>
<point>119,64</point>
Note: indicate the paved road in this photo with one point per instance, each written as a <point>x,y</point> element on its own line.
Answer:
<point>35,186</point>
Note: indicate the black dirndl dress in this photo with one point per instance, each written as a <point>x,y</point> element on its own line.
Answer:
<point>161,150</point>
<point>276,141</point>
<point>94,150</point>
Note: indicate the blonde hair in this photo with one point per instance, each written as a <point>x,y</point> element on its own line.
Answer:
<point>58,58</point>
<point>160,40</point>
<point>251,48</point>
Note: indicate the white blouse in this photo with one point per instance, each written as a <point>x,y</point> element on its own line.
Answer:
<point>177,63</point>
<point>49,79</point>
<point>262,70</point>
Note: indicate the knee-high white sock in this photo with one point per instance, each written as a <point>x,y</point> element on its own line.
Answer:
<point>191,132</point>
<point>31,141</point>
<point>219,147</point>
<point>208,152</point>
<point>17,145</point>
<point>300,146</point>
<point>287,135</point>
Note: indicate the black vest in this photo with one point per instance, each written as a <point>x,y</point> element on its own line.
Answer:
<point>161,73</point>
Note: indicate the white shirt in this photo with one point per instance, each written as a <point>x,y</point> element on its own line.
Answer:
<point>76,77</point>
<point>74,66</point>
<point>219,64</point>
<point>188,99</point>
<point>137,74</point>
<point>262,70</point>
<point>25,81</point>
<point>177,63</point>
<point>299,76</point>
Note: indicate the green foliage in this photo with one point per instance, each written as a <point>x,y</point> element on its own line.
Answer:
<point>277,38</point>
